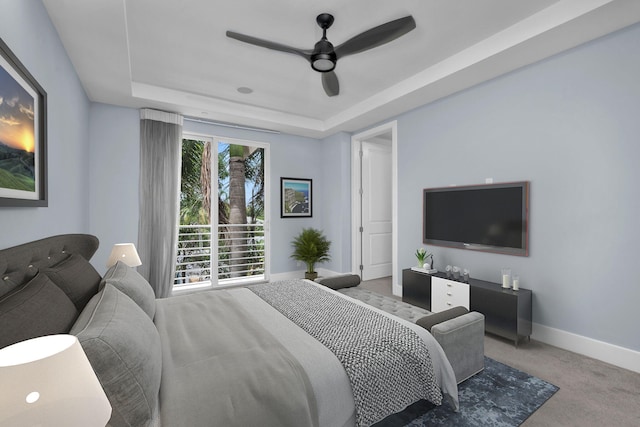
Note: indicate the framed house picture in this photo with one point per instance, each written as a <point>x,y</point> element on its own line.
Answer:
<point>295,198</point>
<point>23,134</point>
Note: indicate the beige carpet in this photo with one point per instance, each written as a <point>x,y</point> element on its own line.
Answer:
<point>592,393</point>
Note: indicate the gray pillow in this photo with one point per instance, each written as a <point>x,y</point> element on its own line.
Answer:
<point>123,346</point>
<point>76,277</point>
<point>340,282</point>
<point>35,309</point>
<point>430,320</point>
<point>130,282</point>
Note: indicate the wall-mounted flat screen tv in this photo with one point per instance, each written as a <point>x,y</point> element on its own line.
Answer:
<point>491,217</point>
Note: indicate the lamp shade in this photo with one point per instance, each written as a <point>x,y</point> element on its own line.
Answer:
<point>48,381</point>
<point>125,252</point>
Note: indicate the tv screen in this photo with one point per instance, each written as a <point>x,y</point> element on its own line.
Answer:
<point>491,217</point>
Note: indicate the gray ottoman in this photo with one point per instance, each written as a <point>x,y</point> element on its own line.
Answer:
<point>460,333</point>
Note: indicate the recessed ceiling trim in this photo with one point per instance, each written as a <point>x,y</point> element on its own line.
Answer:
<point>525,30</point>
<point>125,23</point>
<point>229,125</point>
<point>220,106</point>
<point>442,75</point>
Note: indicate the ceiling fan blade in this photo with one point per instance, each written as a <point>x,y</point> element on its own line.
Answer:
<point>376,36</point>
<point>269,45</point>
<point>330,83</point>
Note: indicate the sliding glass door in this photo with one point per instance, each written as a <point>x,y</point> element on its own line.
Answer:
<point>223,233</point>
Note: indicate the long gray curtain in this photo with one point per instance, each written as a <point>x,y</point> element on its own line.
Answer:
<point>160,142</point>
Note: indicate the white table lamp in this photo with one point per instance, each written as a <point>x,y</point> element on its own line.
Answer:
<point>125,252</point>
<point>48,381</point>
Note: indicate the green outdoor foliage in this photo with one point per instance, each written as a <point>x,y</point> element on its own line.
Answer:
<point>192,210</point>
<point>240,239</point>
<point>311,247</point>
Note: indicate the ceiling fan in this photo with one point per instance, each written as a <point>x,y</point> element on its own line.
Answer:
<point>323,57</point>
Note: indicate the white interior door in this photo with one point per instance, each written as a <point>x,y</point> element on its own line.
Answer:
<point>377,218</point>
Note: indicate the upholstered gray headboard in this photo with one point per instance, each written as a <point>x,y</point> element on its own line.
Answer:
<point>44,285</point>
<point>21,263</point>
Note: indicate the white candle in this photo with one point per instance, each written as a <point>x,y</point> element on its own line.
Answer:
<point>516,283</point>
<point>505,280</point>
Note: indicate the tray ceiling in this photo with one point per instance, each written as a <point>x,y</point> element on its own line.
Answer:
<point>175,56</point>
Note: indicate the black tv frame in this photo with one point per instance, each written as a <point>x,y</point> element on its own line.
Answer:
<point>523,251</point>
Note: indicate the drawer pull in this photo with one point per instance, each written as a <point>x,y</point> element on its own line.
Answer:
<point>449,285</point>
<point>448,303</point>
<point>449,293</point>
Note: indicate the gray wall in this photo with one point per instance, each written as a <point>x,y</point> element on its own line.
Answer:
<point>25,27</point>
<point>115,163</point>
<point>570,126</point>
<point>114,160</point>
<point>336,210</point>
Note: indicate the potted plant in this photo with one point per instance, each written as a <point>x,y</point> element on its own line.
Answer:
<point>421,255</point>
<point>311,247</point>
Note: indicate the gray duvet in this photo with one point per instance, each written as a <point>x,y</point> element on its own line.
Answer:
<point>388,365</point>
<point>229,359</point>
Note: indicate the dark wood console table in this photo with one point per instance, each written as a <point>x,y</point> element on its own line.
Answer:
<point>507,312</point>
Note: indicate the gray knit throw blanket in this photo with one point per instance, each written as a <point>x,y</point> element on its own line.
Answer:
<point>388,364</point>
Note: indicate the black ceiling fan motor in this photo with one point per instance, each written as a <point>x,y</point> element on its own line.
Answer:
<point>323,57</point>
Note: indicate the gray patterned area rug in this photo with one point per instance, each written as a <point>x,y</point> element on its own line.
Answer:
<point>499,396</point>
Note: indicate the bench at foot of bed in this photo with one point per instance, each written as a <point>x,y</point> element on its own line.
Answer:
<point>459,332</point>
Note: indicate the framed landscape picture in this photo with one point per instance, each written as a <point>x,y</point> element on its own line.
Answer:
<point>23,136</point>
<point>295,197</point>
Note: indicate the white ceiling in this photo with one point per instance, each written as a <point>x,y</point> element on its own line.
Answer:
<point>174,55</point>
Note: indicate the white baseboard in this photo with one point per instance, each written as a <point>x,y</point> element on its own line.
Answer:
<point>600,350</point>
<point>609,353</point>
<point>292,275</point>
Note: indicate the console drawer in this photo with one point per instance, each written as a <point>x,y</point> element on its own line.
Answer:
<point>446,294</point>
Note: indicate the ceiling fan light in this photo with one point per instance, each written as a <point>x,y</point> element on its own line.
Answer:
<point>323,63</point>
<point>323,57</point>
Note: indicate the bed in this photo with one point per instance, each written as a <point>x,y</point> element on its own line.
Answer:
<point>290,353</point>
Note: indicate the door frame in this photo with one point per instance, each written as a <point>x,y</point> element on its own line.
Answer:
<point>356,236</point>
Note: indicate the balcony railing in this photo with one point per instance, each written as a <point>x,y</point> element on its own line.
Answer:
<point>240,254</point>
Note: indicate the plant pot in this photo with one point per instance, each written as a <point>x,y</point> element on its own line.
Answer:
<point>311,276</point>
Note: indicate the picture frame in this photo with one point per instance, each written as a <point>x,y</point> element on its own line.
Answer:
<point>296,198</point>
<point>23,135</point>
